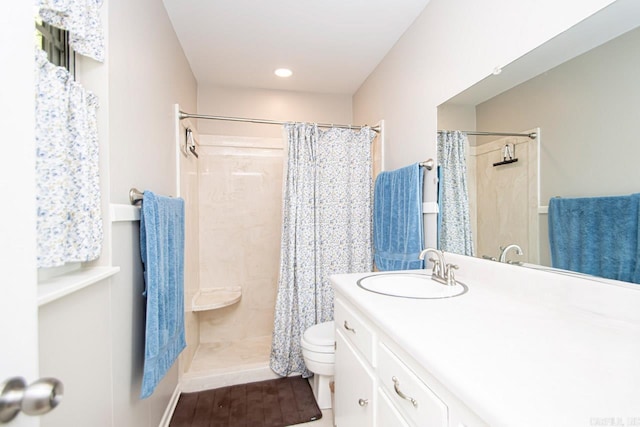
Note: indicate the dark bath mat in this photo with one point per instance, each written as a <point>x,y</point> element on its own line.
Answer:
<point>273,403</point>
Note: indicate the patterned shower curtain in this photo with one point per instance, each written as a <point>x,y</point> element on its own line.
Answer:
<point>327,220</point>
<point>454,226</point>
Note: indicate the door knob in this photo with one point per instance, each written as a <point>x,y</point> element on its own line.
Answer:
<point>37,398</point>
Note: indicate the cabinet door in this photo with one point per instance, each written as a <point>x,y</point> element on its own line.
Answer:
<point>354,392</point>
<point>387,415</point>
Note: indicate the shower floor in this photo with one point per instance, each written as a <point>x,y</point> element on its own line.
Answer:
<point>227,363</point>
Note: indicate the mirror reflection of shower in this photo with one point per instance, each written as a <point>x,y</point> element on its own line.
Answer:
<point>503,182</point>
<point>504,198</point>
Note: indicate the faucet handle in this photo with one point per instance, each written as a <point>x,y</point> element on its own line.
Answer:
<point>436,266</point>
<point>449,275</point>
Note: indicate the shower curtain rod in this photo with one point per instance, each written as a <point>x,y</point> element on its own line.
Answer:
<point>531,135</point>
<point>184,115</point>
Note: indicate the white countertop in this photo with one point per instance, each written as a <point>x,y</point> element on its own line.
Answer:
<point>522,347</point>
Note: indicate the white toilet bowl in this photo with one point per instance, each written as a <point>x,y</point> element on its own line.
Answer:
<point>319,353</point>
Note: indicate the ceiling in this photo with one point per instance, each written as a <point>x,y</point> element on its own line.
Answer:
<point>331,45</point>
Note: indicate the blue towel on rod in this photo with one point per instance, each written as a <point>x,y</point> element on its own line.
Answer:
<point>596,235</point>
<point>162,252</point>
<point>397,219</point>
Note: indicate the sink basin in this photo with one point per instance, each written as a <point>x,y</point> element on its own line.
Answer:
<point>410,285</point>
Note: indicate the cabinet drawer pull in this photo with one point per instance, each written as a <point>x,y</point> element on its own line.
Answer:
<point>363,402</point>
<point>396,386</point>
<point>349,328</point>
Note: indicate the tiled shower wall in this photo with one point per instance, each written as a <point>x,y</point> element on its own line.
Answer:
<point>240,181</point>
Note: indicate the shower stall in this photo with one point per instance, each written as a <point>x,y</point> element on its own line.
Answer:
<point>230,308</point>
<point>233,189</point>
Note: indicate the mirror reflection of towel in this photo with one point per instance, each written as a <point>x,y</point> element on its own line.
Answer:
<point>397,219</point>
<point>596,235</point>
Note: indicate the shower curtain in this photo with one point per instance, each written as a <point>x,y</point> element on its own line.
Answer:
<point>327,220</point>
<point>454,226</point>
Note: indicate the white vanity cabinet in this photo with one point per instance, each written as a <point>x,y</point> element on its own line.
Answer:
<point>375,387</point>
<point>501,354</point>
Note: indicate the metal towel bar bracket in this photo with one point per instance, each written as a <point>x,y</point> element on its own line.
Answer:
<point>135,196</point>
<point>427,164</point>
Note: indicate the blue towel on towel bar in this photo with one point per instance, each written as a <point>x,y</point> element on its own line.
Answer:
<point>397,219</point>
<point>596,235</point>
<point>162,251</point>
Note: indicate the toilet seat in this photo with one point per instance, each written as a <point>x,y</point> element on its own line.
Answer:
<point>319,338</point>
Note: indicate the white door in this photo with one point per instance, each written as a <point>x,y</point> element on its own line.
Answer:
<point>18,287</point>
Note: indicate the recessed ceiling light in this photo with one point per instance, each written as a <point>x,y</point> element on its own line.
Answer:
<point>283,72</point>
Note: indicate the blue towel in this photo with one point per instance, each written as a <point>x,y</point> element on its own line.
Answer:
<point>397,219</point>
<point>596,235</point>
<point>162,251</point>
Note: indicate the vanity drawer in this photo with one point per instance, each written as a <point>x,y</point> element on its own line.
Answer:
<point>355,329</point>
<point>409,394</point>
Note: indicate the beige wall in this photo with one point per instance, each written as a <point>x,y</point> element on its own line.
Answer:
<point>276,105</point>
<point>94,339</point>
<point>587,110</point>
<point>447,49</point>
<point>148,74</point>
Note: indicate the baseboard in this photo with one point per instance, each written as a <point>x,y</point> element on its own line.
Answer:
<point>207,381</point>
<point>168,413</point>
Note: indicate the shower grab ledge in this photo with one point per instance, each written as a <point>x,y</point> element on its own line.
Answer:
<point>214,298</point>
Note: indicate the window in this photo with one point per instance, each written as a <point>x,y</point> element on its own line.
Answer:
<point>55,42</point>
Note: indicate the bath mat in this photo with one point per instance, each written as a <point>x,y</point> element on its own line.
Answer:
<point>273,403</point>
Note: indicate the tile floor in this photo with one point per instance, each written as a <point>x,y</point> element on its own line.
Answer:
<point>325,421</point>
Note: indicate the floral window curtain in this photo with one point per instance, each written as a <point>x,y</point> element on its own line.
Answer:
<point>326,230</point>
<point>82,19</point>
<point>69,219</point>
<point>453,198</point>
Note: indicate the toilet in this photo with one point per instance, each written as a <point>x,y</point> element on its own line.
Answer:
<point>319,353</point>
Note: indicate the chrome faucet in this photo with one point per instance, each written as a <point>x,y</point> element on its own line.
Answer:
<point>438,264</point>
<point>442,272</point>
<point>504,251</point>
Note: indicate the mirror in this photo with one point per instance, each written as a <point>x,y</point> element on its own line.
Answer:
<point>582,91</point>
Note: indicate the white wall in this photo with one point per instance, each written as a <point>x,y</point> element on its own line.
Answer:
<point>279,105</point>
<point>148,74</point>
<point>452,45</point>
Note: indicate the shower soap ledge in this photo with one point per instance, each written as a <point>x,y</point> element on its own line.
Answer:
<point>214,298</point>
